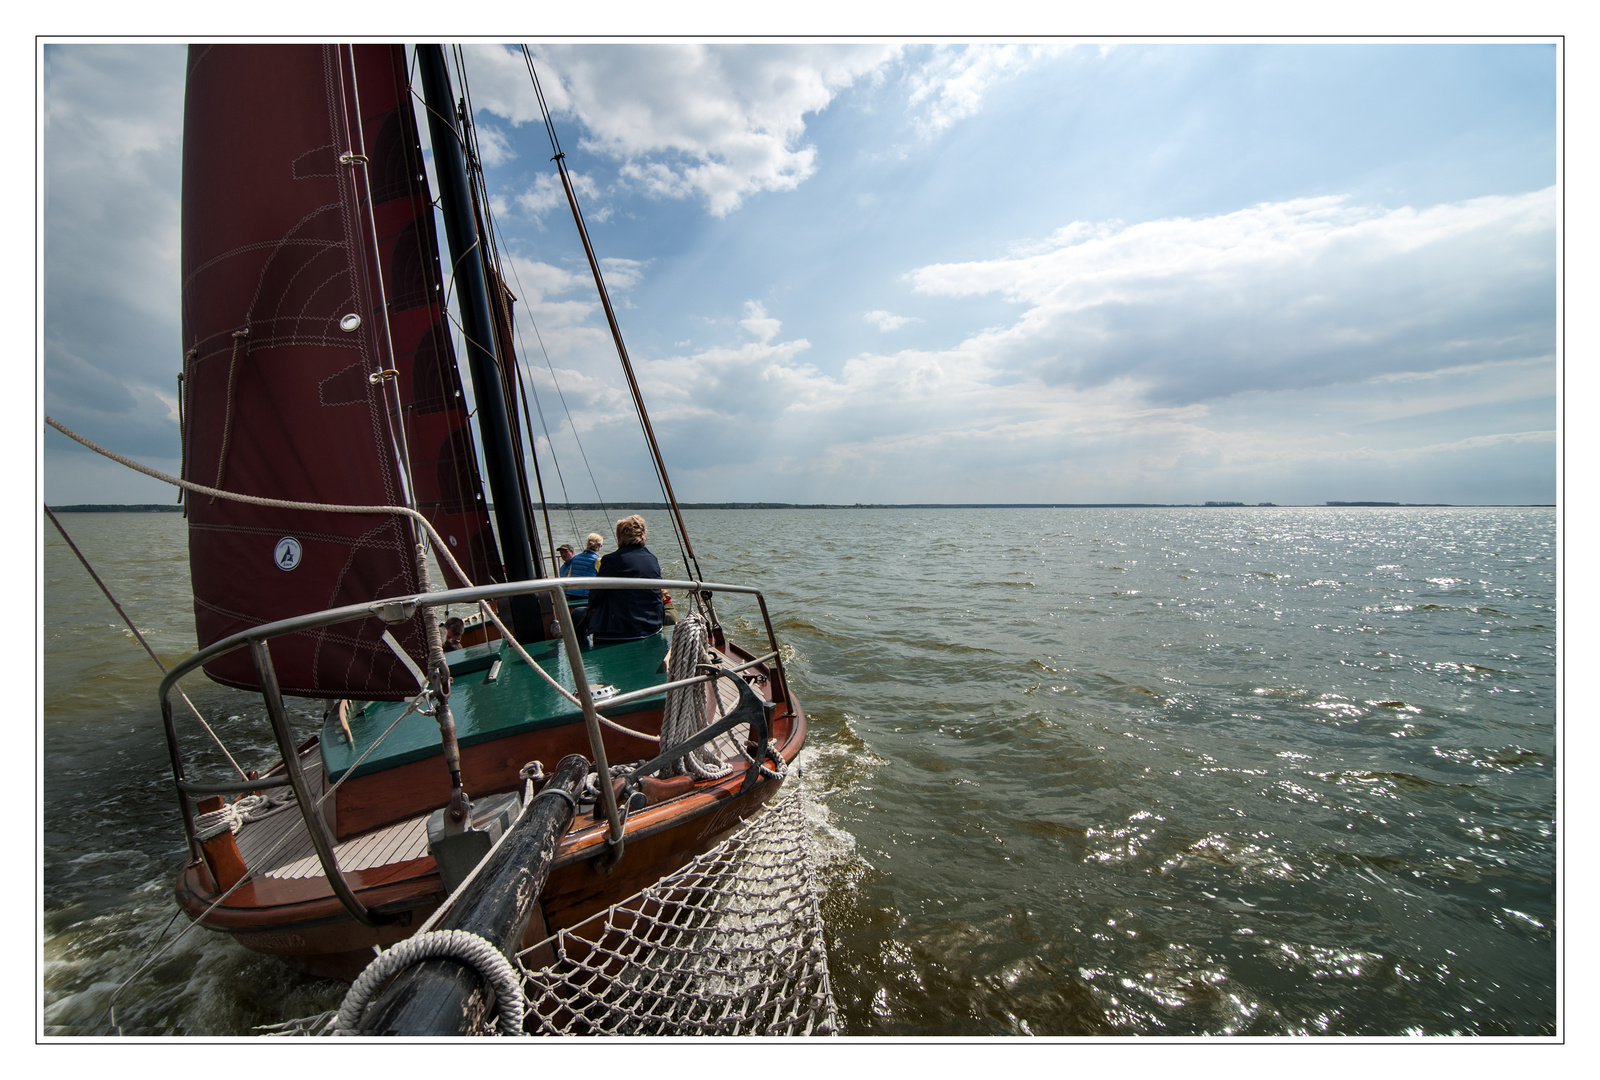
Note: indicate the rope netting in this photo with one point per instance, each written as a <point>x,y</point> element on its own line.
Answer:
<point>731,944</point>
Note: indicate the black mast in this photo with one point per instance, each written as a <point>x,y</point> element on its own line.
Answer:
<point>518,548</point>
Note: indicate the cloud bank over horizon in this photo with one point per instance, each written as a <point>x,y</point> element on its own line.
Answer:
<point>830,296</point>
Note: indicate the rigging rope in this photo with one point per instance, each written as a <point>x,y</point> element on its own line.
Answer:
<point>685,548</point>
<point>511,368</point>
<point>501,318</point>
<point>389,387</point>
<point>492,232</point>
<point>140,639</point>
<point>527,384</point>
<point>256,500</point>
<point>227,413</point>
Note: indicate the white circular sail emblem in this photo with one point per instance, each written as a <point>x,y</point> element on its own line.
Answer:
<point>287,553</point>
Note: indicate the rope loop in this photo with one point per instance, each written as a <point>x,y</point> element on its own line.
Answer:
<point>688,708</point>
<point>236,814</point>
<point>463,946</point>
<point>215,822</point>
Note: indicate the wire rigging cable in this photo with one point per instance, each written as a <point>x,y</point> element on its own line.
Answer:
<point>140,638</point>
<point>356,157</point>
<point>499,302</point>
<point>684,546</point>
<point>491,232</point>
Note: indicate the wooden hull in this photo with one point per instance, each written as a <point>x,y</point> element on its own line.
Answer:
<point>300,921</point>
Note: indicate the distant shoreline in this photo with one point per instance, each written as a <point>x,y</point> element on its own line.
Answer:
<point>172,508</point>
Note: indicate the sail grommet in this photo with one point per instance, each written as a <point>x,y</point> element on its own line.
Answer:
<point>350,323</point>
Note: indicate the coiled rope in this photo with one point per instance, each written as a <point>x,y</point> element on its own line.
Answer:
<point>688,707</point>
<point>245,809</point>
<point>461,945</point>
<point>230,817</point>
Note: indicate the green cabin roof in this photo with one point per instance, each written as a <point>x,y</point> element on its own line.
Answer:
<point>518,700</point>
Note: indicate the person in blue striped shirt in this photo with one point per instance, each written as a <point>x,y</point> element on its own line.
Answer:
<point>579,566</point>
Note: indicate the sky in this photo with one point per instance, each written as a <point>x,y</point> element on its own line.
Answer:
<point>931,272</point>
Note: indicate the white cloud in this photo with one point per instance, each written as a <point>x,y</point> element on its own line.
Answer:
<point>547,194</point>
<point>758,323</point>
<point>886,321</point>
<point>721,123</point>
<point>494,148</point>
<point>951,85</point>
<point>694,121</point>
<point>500,84</point>
<point>622,274</point>
<point>1298,293</point>
<point>1289,352</point>
<point>534,281</point>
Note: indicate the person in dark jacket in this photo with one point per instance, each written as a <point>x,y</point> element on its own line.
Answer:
<point>617,615</point>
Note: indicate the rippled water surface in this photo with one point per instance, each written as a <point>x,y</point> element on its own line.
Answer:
<point>1160,772</point>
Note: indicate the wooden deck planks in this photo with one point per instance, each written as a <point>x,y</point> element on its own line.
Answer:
<point>397,843</point>
<point>259,841</point>
<point>726,748</point>
<point>277,846</point>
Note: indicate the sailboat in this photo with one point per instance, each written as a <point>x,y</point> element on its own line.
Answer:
<point>327,451</point>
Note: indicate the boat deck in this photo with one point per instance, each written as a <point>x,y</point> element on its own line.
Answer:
<point>276,846</point>
<point>515,701</point>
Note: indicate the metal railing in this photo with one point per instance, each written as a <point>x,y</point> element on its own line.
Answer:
<point>392,610</point>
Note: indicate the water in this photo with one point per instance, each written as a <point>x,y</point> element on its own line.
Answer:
<point>1158,772</point>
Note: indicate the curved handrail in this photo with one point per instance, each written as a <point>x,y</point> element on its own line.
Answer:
<point>398,609</point>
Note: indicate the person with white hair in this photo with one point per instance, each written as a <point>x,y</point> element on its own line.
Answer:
<point>617,615</point>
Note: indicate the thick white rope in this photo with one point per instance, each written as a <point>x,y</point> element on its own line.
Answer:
<point>688,707</point>
<point>470,949</point>
<point>245,809</point>
<point>230,817</point>
<point>439,546</point>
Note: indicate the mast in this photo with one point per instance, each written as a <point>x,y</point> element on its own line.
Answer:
<point>518,548</point>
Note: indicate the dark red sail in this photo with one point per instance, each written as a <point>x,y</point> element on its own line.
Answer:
<point>306,302</point>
